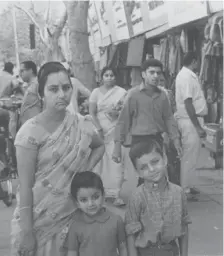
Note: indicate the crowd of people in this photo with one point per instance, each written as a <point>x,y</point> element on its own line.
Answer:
<point>69,164</point>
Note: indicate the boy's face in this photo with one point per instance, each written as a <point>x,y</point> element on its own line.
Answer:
<point>90,200</point>
<point>151,167</point>
<point>152,75</point>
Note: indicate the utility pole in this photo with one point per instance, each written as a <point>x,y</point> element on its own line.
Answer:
<point>15,36</point>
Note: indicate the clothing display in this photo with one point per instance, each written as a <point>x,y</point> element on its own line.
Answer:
<point>212,62</point>
<point>136,76</point>
<point>103,57</point>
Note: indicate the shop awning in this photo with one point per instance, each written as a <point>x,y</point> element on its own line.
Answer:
<point>157,31</point>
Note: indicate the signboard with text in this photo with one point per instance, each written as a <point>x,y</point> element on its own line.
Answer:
<point>157,13</point>
<point>185,11</point>
<point>215,6</point>
<point>120,22</point>
<point>103,20</point>
<point>134,11</point>
<point>93,24</point>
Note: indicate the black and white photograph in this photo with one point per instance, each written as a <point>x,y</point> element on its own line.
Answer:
<point>111,128</point>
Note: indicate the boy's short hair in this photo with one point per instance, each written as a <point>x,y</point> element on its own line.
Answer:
<point>151,63</point>
<point>85,180</point>
<point>143,148</point>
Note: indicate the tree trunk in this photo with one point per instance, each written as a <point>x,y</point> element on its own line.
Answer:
<point>82,61</point>
<point>53,51</point>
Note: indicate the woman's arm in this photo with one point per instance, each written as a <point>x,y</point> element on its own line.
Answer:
<point>123,249</point>
<point>183,242</point>
<point>93,113</point>
<point>98,149</point>
<point>26,162</point>
<point>132,251</point>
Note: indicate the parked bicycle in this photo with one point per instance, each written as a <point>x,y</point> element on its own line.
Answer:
<point>8,169</point>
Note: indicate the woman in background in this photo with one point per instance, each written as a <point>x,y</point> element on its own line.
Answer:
<point>105,103</point>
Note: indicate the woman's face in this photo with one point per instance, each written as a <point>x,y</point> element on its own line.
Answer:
<point>109,78</point>
<point>57,91</point>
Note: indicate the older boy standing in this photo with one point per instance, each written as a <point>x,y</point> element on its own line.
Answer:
<point>146,113</point>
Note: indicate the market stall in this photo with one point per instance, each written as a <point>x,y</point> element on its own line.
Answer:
<point>211,76</point>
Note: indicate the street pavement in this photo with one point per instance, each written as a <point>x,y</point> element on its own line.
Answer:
<point>206,230</point>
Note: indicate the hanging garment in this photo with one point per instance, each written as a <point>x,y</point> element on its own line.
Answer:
<point>112,49</point>
<point>122,54</point>
<point>179,56</point>
<point>103,57</point>
<point>136,77</point>
<point>172,55</point>
<point>183,41</point>
<point>163,53</point>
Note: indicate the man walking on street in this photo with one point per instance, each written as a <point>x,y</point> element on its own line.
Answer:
<point>191,108</point>
<point>146,113</point>
<point>32,104</point>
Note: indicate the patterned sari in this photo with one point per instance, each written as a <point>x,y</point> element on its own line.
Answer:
<point>59,156</point>
<point>111,173</point>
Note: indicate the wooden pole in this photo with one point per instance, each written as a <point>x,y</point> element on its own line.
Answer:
<point>15,36</point>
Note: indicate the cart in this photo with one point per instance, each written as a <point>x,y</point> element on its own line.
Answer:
<point>214,142</point>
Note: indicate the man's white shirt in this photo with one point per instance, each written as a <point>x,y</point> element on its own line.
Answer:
<point>188,86</point>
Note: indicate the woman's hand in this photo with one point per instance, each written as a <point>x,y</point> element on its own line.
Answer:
<point>113,113</point>
<point>28,244</point>
<point>116,156</point>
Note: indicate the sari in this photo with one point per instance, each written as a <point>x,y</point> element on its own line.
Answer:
<point>112,174</point>
<point>60,156</point>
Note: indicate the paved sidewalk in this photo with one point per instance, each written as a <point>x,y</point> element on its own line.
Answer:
<point>206,230</point>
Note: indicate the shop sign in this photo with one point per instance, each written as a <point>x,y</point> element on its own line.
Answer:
<point>103,20</point>
<point>134,11</point>
<point>181,12</point>
<point>120,21</point>
<point>215,6</point>
<point>93,24</point>
<point>157,12</point>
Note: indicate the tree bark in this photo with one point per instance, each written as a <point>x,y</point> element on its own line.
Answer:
<point>82,61</point>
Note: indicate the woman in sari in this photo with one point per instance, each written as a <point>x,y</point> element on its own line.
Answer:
<point>51,147</point>
<point>105,103</point>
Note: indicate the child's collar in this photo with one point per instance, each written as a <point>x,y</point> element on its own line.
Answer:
<point>101,217</point>
<point>154,186</point>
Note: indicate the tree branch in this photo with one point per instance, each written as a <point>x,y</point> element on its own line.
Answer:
<point>47,13</point>
<point>60,25</point>
<point>33,20</point>
<point>49,32</point>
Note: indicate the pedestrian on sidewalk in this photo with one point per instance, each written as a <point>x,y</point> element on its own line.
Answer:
<point>191,109</point>
<point>156,214</point>
<point>95,230</point>
<point>105,105</point>
<point>146,113</point>
<point>51,147</point>
<point>31,105</point>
